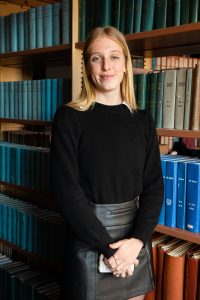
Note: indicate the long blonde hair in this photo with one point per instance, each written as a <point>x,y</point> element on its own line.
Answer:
<point>87,96</point>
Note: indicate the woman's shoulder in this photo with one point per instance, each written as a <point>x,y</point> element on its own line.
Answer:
<point>66,116</point>
<point>143,115</point>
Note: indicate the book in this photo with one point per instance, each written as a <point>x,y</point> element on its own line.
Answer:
<point>137,16</point>
<point>180,98</point>
<point>185,12</point>
<point>188,95</point>
<point>147,15</point>
<point>47,26</point>
<point>169,98</point>
<point>13,32</point>
<point>39,27</point>
<point>20,32</point>
<point>32,28</point>
<point>129,16</point>
<point>66,20</point>
<point>159,99</point>
<point>195,113</point>
<point>193,12</point>
<point>160,14</point>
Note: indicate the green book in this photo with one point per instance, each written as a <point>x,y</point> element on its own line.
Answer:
<point>102,13</point>
<point>170,13</point>
<point>137,16</point>
<point>116,13</point>
<point>169,98</point>
<point>180,98</point>
<point>129,16</point>
<point>177,12</point>
<point>160,14</point>
<point>159,99</point>
<point>185,12</point>
<point>194,8</point>
<point>122,16</point>
<point>141,96</point>
<point>147,15</point>
<point>82,19</point>
<point>152,86</point>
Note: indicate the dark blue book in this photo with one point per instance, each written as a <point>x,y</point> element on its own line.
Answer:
<point>32,28</point>
<point>2,35</point>
<point>2,101</point>
<point>193,198</point>
<point>39,27</point>
<point>20,32</point>
<point>25,100</point>
<point>26,30</point>
<point>13,32</point>
<point>66,21</point>
<point>47,26</point>
<point>56,15</point>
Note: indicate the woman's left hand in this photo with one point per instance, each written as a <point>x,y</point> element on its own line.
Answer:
<point>125,256</point>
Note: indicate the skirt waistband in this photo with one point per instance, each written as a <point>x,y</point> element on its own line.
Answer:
<point>116,214</point>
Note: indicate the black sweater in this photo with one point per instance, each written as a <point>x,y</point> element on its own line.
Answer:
<point>105,155</point>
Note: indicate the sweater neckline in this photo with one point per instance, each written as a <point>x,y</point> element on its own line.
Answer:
<point>110,108</point>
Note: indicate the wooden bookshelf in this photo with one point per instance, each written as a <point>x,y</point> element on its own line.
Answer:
<point>179,233</point>
<point>28,122</point>
<point>178,133</point>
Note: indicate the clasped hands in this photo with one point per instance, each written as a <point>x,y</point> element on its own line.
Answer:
<point>124,260</point>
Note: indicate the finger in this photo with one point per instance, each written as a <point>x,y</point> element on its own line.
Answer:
<point>130,270</point>
<point>136,262</point>
<point>115,245</point>
<point>123,274</point>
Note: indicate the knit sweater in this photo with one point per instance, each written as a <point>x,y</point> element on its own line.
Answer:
<point>105,155</point>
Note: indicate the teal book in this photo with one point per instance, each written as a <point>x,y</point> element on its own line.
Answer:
<point>2,104</point>
<point>11,99</point>
<point>17,166</point>
<point>20,101</point>
<point>102,10</point>
<point>3,163</point>
<point>32,28</point>
<point>25,100</point>
<point>66,21</point>
<point>43,99</point>
<point>47,25</point>
<point>39,26</point>
<point>188,96</point>
<point>152,94</point>
<point>39,99</point>
<point>26,30</point>
<point>194,8</point>
<point>160,14</point>
<point>137,16</point>
<point>20,32</point>
<point>6,100</point>
<point>48,99</point>
<point>54,96</point>
<point>82,19</point>
<point>56,15</point>
<point>60,92</point>
<point>115,13</point>
<point>180,98</point>
<point>147,15</point>
<point>141,97</point>
<point>13,33</point>
<point>12,165</point>
<point>29,99</point>
<point>129,16</point>
<point>34,99</point>
<point>16,99</point>
<point>23,167</point>
<point>177,12</point>
<point>122,16</point>
<point>7,34</point>
<point>185,12</point>
<point>2,35</point>
<point>193,198</point>
<point>7,163</point>
<point>159,99</point>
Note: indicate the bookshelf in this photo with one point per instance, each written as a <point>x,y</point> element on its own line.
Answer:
<point>178,133</point>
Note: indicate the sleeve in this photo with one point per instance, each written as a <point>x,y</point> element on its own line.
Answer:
<point>67,192</point>
<point>151,198</point>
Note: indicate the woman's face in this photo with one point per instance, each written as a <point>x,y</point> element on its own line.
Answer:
<point>106,64</point>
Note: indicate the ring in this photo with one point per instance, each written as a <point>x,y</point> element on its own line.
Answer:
<point>115,260</point>
<point>117,275</point>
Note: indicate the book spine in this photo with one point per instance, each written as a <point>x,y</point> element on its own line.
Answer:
<point>39,27</point>
<point>7,34</point>
<point>20,22</point>
<point>11,87</point>
<point>54,96</point>
<point>26,30</point>
<point>2,35</point>
<point>39,100</point>
<point>147,15</point>
<point>2,101</point>
<point>159,99</point>
<point>32,28</point>
<point>47,25</point>
<point>142,90</point>
<point>129,16</point>
<point>116,13</point>
<point>48,99</point>
<point>195,115</point>
<point>13,32</point>
<point>25,100</point>
<point>137,16</point>
<point>66,19</point>
<point>185,10</point>
<point>56,15</point>
<point>34,99</point>
<point>20,103</point>
<point>160,14</point>
<point>177,12</point>
<point>6,100</point>
<point>180,98</point>
<point>188,95</point>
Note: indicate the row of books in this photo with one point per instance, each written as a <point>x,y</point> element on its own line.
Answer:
<point>181,203</point>
<point>33,99</point>
<point>25,166</point>
<point>176,265</point>
<point>19,281</point>
<point>27,137</point>
<point>31,228</point>
<point>39,27</point>
<point>136,16</point>
<point>172,97</point>
<point>170,62</point>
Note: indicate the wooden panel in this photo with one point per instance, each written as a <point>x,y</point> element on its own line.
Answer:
<point>178,133</point>
<point>179,233</point>
<point>9,8</point>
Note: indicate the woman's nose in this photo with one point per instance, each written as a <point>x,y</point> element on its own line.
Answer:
<point>106,64</point>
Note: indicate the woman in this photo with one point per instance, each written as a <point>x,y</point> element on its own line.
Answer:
<point>106,177</point>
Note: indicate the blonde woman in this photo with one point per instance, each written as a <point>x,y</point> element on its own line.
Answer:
<point>106,178</point>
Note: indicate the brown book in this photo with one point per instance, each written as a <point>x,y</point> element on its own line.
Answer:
<point>162,247</point>
<point>174,269</point>
<point>191,274</point>
<point>195,113</point>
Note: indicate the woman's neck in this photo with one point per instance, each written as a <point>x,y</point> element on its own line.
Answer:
<point>108,98</point>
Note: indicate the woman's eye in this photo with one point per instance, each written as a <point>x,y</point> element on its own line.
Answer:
<point>96,59</point>
<point>114,57</point>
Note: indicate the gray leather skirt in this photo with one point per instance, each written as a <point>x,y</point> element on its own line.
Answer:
<point>83,281</point>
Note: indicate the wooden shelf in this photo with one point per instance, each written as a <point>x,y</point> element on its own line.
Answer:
<point>178,133</point>
<point>179,233</point>
<point>40,55</point>
<point>29,122</point>
<point>176,40</point>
